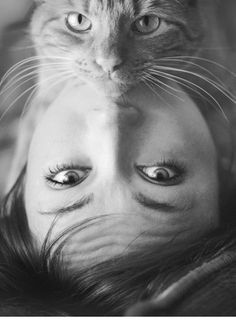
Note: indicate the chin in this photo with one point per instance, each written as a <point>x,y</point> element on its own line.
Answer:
<point>110,88</point>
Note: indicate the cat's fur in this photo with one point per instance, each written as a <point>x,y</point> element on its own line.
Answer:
<point>111,58</point>
<point>111,42</point>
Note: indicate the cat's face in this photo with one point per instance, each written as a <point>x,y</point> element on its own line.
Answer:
<point>112,44</point>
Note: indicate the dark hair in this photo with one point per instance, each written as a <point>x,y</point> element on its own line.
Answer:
<point>218,110</point>
<point>35,282</point>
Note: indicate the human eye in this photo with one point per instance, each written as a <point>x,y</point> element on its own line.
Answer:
<point>77,22</point>
<point>166,173</point>
<point>64,176</point>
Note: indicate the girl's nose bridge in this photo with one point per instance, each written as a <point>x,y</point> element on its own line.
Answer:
<point>117,169</point>
<point>128,146</point>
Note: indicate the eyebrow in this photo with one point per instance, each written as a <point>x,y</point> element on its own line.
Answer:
<point>79,204</point>
<point>85,4</point>
<point>149,203</point>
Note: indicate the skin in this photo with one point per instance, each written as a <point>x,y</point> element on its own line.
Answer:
<point>112,138</point>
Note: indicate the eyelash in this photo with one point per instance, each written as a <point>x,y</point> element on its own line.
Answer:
<point>52,172</point>
<point>174,165</point>
<point>178,166</point>
<point>62,167</point>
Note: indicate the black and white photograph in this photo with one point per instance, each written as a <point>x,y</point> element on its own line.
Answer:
<point>118,158</point>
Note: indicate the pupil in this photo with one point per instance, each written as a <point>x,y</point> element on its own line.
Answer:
<point>161,175</point>
<point>71,178</point>
<point>146,21</point>
<point>80,18</point>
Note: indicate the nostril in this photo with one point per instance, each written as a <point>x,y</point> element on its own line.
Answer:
<point>112,68</point>
<point>116,67</point>
<point>109,65</point>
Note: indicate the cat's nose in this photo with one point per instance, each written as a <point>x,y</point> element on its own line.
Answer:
<point>109,66</point>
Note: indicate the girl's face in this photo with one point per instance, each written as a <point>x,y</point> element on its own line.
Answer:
<point>135,172</point>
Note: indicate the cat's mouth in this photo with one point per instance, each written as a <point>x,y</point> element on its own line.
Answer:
<point>111,88</point>
<point>110,85</point>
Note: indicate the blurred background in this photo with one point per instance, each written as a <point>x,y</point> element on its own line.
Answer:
<point>15,45</point>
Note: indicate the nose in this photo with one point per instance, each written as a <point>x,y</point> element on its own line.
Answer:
<point>114,196</point>
<point>109,65</point>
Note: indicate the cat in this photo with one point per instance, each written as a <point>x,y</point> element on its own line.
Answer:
<point>112,44</point>
<point>109,44</point>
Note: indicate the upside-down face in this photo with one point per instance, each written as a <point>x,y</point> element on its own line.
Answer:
<point>127,174</point>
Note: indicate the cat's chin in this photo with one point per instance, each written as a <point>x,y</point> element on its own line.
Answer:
<point>110,89</point>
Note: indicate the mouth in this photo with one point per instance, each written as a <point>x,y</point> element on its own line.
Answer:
<point>107,84</point>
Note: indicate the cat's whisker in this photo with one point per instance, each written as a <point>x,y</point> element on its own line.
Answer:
<point>65,76</point>
<point>189,87</point>
<point>194,90</point>
<point>15,89</point>
<point>154,81</point>
<point>174,77</point>
<point>26,61</point>
<point>28,90</point>
<point>200,88</point>
<point>198,66</point>
<point>204,60</point>
<point>19,64</point>
<point>206,79</point>
<point>27,103</point>
<point>147,83</point>
<point>13,81</point>
<point>15,101</point>
<point>38,65</point>
<point>167,76</point>
<point>10,71</point>
<point>165,84</point>
<point>30,76</point>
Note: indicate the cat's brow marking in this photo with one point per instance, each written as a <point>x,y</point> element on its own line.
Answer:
<point>84,3</point>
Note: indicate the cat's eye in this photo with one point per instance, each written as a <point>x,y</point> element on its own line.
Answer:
<point>147,24</point>
<point>78,23</point>
<point>166,174</point>
<point>66,177</point>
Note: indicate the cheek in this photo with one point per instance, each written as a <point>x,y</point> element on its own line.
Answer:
<point>79,51</point>
<point>206,203</point>
<point>38,224</point>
